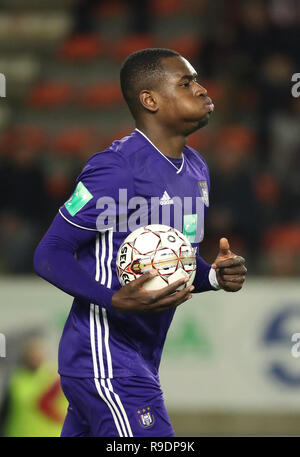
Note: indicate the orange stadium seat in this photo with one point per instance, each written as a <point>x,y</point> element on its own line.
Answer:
<point>50,94</point>
<point>132,43</point>
<point>103,94</point>
<point>82,48</point>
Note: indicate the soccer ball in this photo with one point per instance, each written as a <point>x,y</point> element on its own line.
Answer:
<point>158,247</point>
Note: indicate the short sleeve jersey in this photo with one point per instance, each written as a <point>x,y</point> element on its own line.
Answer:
<point>129,185</point>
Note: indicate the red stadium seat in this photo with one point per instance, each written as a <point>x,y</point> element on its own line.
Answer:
<point>286,237</point>
<point>8,142</point>
<point>103,94</point>
<point>166,7</point>
<point>25,136</point>
<point>50,94</point>
<point>236,137</point>
<point>74,140</point>
<point>281,248</point>
<point>132,43</point>
<point>81,48</point>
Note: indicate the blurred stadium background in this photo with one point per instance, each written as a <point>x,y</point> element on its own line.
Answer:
<point>228,368</point>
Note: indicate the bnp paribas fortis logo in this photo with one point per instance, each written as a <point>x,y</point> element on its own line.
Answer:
<point>2,85</point>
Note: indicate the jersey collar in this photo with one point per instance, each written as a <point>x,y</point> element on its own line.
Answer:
<point>165,157</point>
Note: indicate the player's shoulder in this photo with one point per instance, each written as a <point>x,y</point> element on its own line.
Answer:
<point>118,155</point>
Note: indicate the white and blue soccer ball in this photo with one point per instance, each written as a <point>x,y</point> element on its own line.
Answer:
<point>158,247</point>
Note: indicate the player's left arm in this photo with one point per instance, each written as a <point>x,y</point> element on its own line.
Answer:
<point>230,268</point>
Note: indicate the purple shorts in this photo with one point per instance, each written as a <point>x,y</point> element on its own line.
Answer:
<point>131,406</point>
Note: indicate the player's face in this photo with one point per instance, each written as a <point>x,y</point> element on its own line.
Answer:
<point>183,103</point>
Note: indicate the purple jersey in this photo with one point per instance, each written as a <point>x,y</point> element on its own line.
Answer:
<point>97,341</point>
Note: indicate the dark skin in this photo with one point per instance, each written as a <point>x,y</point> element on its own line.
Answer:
<point>177,107</point>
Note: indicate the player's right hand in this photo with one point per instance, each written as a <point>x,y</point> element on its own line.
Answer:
<point>134,298</point>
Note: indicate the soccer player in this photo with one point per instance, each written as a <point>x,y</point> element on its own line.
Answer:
<point>112,342</point>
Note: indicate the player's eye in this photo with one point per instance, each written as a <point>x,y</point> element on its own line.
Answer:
<point>188,83</point>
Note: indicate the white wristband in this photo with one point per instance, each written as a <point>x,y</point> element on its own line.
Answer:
<point>212,276</point>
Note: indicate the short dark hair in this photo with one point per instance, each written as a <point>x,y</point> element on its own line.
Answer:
<point>142,70</point>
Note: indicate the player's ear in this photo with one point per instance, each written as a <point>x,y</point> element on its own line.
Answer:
<point>148,100</point>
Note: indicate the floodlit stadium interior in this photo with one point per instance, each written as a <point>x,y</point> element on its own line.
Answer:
<point>230,365</point>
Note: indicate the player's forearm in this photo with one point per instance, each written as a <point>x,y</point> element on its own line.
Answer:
<point>61,269</point>
<point>204,278</point>
<point>54,261</point>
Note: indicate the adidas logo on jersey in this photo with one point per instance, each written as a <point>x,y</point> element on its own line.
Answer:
<point>166,199</point>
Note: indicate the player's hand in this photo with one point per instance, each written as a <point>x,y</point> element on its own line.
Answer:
<point>134,298</point>
<point>230,268</point>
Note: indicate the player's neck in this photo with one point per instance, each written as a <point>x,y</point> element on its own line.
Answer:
<point>167,144</point>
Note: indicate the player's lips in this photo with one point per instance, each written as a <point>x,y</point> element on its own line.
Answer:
<point>209,105</point>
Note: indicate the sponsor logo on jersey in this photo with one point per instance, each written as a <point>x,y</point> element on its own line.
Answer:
<point>190,226</point>
<point>79,199</point>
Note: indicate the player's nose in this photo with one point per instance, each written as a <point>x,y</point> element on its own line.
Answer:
<point>200,90</point>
